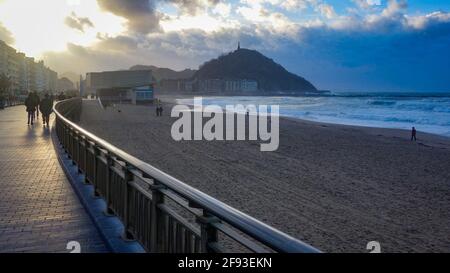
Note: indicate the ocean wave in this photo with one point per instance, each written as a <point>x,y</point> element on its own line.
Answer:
<point>428,114</point>
<point>381,102</point>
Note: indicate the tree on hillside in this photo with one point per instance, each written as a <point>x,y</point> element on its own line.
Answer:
<point>5,84</point>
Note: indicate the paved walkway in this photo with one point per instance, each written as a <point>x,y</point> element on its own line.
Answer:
<point>39,210</point>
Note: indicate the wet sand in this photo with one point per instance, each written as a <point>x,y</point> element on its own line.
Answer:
<point>336,187</point>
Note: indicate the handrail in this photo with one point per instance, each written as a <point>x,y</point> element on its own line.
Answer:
<point>260,231</point>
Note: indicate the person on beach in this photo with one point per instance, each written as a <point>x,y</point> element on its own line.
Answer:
<point>30,108</point>
<point>45,107</point>
<point>413,134</point>
<point>159,108</point>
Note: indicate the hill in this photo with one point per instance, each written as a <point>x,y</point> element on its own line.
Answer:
<point>72,76</point>
<point>165,73</point>
<point>252,65</point>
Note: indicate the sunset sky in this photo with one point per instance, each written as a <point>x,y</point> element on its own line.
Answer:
<point>354,45</point>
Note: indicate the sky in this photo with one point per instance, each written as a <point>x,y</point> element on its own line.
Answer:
<point>341,45</point>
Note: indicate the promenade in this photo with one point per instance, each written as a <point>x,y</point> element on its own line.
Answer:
<point>39,210</point>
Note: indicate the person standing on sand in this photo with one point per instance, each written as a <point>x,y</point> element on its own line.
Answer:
<point>413,134</point>
<point>159,108</point>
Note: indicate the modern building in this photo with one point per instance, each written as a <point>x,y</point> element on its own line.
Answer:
<point>134,86</point>
<point>25,74</point>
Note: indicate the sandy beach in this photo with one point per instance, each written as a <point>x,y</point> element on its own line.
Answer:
<point>335,187</point>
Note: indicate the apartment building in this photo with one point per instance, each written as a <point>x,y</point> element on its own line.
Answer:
<point>25,74</point>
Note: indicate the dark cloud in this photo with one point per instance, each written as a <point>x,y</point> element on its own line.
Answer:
<point>5,35</point>
<point>390,55</point>
<point>78,23</point>
<point>141,15</point>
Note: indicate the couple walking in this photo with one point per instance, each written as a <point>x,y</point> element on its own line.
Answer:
<point>34,104</point>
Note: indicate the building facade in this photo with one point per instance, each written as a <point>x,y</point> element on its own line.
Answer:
<point>208,86</point>
<point>135,86</point>
<point>25,74</point>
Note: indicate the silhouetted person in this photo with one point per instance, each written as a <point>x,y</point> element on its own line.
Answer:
<point>159,108</point>
<point>30,108</point>
<point>413,134</point>
<point>46,109</point>
<point>61,96</point>
<point>37,101</point>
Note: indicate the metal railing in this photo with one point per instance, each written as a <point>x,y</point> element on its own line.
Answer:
<point>162,213</point>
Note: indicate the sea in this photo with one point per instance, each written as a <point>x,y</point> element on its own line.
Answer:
<point>428,112</point>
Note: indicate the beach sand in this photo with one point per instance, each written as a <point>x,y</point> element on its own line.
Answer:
<point>335,187</point>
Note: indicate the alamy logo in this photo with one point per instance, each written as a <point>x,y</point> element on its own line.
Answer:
<point>235,116</point>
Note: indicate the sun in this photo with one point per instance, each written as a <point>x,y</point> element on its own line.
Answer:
<point>38,26</point>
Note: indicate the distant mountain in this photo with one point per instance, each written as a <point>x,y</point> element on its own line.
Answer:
<point>64,84</point>
<point>73,77</point>
<point>165,73</point>
<point>252,65</point>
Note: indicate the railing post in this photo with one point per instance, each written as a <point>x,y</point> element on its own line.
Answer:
<point>86,152</point>
<point>128,236</point>
<point>208,232</point>
<point>65,138</point>
<point>80,143</point>
<point>85,142</point>
<point>95,182</point>
<point>76,148</point>
<point>157,220</point>
<point>70,144</point>
<point>109,211</point>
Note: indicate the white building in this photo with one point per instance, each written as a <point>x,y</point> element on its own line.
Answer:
<point>240,86</point>
<point>249,86</point>
<point>25,74</point>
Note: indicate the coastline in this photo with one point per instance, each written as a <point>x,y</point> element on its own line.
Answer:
<point>336,187</point>
<point>170,101</point>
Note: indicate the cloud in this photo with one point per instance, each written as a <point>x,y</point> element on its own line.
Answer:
<point>79,23</point>
<point>297,4</point>
<point>5,35</point>
<point>377,51</point>
<point>192,7</point>
<point>326,10</point>
<point>141,15</point>
<point>222,9</point>
<point>119,43</point>
<point>367,4</point>
<point>395,7</point>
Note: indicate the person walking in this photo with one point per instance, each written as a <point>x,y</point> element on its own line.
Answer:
<point>413,134</point>
<point>37,101</point>
<point>30,108</point>
<point>158,108</point>
<point>46,108</point>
